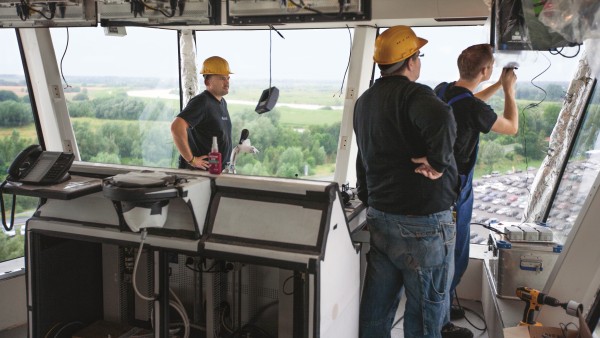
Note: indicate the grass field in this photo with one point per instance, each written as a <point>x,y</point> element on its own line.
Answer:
<point>25,132</point>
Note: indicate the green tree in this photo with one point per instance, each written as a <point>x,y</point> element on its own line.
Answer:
<point>291,163</point>
<point>81,97</point>
<point>7,95</point>
<point>489,153</point>
<point>555,92</point>
<point>15,113</point>
<point>549,117</point>
<point>11,247</point>
<point>106,158</point>
<point>91,143</point>
<point>10,146</point>
<point>81,109</point>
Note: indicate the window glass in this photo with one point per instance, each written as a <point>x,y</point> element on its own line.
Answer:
<point>299,137</point>
<point>506,164</point>
<point>122,93</point>
<point>17,131</point>
<point>580,173</point>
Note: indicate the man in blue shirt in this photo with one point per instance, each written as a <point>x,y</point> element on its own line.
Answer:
<point>473,116</point>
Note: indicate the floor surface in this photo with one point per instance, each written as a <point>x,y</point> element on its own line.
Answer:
<point>471,320</point>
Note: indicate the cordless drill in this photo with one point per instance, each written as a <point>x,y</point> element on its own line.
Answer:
<point>534,299</point>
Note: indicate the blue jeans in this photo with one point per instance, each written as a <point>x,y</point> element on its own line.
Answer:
<point>464,211</point>
<point>414,252</point>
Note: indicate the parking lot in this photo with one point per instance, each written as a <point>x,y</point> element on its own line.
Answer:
<point>503,198</point>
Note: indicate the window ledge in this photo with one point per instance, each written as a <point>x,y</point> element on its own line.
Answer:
<point>12,268</point>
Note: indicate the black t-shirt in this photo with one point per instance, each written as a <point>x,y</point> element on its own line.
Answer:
<point>472,116</point>
<point>207,117</point>
<point>396,120</point>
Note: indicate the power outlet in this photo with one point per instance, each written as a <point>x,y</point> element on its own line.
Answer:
<point>344,143</point>
<point>68,146</point>
<point>55,91</point>
<point>350,93</point>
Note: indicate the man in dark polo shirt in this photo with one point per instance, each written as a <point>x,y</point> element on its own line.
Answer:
<point>473,116</point>
<point>205,116</point>
<point>406,174</point>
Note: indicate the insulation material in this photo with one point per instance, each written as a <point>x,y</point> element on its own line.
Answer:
<point>560,139</point>
<point>189,70</point>
<point>578,21</point>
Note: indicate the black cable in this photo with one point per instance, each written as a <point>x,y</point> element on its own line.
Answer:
<point>30,7</point>
<point>301,5</point>
<point>565,328</point>
<point>489,227</point>
<point>173,8</point>
<point>398,321</point>
<point>271,29</point>
<point>555,51</point>
<point>270,53</point>
<point>251,324</point>
<point>61,61</point>
<point>283,287</point>
<point>465,309</point>
<point>12,213</point>
<point>250,330</point>
<point>209,270</point>
<point>348,65</point>
<point>532,105</point>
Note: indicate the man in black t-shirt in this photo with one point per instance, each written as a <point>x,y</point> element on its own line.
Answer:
<point>406,175</point>
<point>204,117</point>
<point>473,116</point>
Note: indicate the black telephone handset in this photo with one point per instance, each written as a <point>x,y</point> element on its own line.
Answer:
<point>35,166</point>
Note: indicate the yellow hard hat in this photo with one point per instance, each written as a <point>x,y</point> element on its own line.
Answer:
<point>396,44</point>
<point>215,65</point>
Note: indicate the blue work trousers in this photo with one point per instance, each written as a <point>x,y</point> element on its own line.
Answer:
<point>464,211</point>
<point>414,252</point>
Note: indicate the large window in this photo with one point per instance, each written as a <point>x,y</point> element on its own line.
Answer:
<point>17,131</point>
<point>580,173</point>
<point>122,93</point>
<point>299,137</point>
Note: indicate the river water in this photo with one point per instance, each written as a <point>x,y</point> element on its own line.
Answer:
<point>167,94</point>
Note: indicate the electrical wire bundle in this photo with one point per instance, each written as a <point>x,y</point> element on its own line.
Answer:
<point>174,302</point>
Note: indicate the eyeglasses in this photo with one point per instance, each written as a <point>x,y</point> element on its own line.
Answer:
<point>421,55</point>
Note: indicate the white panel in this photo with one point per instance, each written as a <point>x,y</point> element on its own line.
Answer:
<point>284,185</point>
<point>12,293</point>
<point>359,74</point>
<point>575,274</point>
<point>267,221</point>
<point>48,91</point>
<point>339,281</point>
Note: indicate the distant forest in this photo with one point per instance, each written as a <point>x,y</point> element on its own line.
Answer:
<point>113,127</point>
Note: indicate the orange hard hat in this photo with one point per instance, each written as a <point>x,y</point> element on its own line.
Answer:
<point>396,44</point>
<point>215,65</point>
